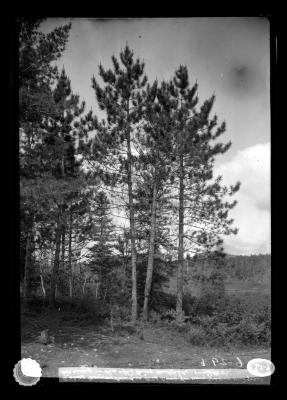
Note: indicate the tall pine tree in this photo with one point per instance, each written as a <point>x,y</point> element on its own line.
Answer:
<point>36,75</point>
<point>153,166</point>
<point>200,199</point>
<point>121,99</point>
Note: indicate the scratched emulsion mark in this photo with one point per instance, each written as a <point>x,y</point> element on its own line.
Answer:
<point>150,375</point>
<point>233,370</point>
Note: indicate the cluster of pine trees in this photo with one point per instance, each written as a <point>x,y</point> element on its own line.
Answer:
<point>149,162</point>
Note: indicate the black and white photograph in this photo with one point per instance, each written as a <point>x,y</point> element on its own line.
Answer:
<point>144,203</point>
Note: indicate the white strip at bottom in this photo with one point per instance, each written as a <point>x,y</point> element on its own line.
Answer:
<point>149,375</point>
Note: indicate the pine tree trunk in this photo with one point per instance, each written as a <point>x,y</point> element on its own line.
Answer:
<point>70,255</point>
<point>43,285</point>
<point>180,245</point>
<point>70,287</point>
<point>84,286</point>
<point>27,271</point>
<point>55,271</point>
<point>150,264</point>
<point>63,236</point>
<point>111,318</point>
<point>28,254</point>
<point>42,281</point>
<point>97,289</point>
<point>132,232</point>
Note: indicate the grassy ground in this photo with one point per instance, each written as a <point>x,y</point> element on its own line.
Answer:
<point>98,346</point>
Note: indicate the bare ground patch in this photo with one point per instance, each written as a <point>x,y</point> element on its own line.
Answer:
<point>99,347</point>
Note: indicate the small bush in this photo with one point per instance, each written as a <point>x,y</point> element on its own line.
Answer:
<point>86,309</point>
<point>35,304</point>
<point>121,313</point>
<point>196,335</point>
<point>189,304</point>
<point>155,317</point>
<point>169,315</point>
<point>163,301</point>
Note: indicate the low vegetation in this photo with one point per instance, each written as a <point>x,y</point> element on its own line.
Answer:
<point>209,319</point>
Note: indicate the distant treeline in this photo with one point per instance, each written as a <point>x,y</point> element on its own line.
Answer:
<point>254,267</point>
<point>239,267</point>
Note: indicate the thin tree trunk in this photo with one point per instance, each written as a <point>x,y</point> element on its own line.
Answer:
<point>71,287</point>
<point>56,265</point>
<point>111,317</point>
<point>63,240</point>
<point>180,245</point>
<point>150,264</point>
<point>28,254</point>
<point>27,271</point>
<point>70,255</point>
<point>97,289</point>
<point>132,232</point>
<point>63,247</point>
<point>105,294</point>
<point>84,285</point>
<point>63,167</point>
<point>42,282</point>
<point>43,286</point>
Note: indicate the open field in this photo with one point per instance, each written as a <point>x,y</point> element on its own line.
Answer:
<point>232,286</point>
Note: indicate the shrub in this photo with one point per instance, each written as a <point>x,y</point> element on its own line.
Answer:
<point>196,335</point>
<point>163,301</point>
<point>169,315</point>
<point>155,317</point>
<point>236,322</point>
<point>206,305</point>
<point>35,304</point>
<point>251,332</point>
<point>189,304</point>
<point>86,309</point>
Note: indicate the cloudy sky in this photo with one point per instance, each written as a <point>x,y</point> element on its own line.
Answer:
<point>228,56</point>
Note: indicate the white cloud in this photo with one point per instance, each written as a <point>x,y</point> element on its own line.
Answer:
<point>251,167</point>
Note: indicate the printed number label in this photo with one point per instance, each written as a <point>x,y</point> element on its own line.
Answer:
<point>260,367</point>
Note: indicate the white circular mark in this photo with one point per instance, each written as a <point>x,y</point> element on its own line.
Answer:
<point>260,367</point>
<point>31,368</point>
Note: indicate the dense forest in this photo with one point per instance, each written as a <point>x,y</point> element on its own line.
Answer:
<point>113,208</point>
